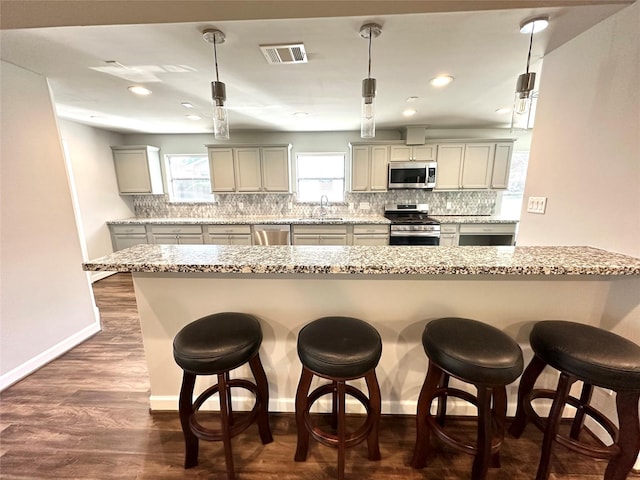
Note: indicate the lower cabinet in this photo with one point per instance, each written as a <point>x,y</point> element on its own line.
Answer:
<point>487,234</point>
<point>125,236</point>
<point>228,234</point>
<point>176,234</point>
<point>320,235</point>
<point>370,235</point>
<point>448,235</point>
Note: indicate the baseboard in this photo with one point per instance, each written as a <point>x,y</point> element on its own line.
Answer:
<point>95,276</point>
<point>30,366</point>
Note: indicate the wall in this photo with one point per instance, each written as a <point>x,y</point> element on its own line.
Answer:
<point>89,155</point>
<point>585,158</point>
<point>46,300</point>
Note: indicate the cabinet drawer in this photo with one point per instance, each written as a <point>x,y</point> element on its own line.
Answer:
<point>321,229</point>
<point>488,228</point>
<point>448,228</point>
<point>128,229</point>
<point>229,229</point>
<point>176,229</point>
<point>370,229</point>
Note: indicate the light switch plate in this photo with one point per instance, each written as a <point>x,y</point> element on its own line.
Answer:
<point>537,205</point>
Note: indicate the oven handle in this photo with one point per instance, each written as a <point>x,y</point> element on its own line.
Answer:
<point>415,234</point>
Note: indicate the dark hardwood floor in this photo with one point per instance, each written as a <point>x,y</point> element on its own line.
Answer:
<point>86,416</point>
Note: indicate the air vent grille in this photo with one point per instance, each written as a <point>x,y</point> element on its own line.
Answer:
<point>284,54</point>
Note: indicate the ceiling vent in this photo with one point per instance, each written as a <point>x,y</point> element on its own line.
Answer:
<point>283,54</point>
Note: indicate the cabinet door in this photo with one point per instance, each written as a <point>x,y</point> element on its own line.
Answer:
<point>379,168</point>
<point>275,169</point>
<point>476,166</point>
<point>240,240</point>
<point>449,165</point>
<point>120,242</point>
<point>132,171</point>
<point>219,239</point>
<point>248,175</point>
<point>221,170</point>
<point>360,168</point>
<point>449,240</point>
<point>370,240</point>
<point>306,239</point>
<point>333,240</point>
<point>190,239</point>
<point>399,153</point>
<point>424,153</point>
<point>501,165</point>
<point>168,239</point>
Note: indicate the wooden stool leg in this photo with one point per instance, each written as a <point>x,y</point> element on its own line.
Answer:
<point>334,406</point>
<point>341,429</point>
<point>527,382</point>
<point>263,398</point>
<point>481,461</point>
<point>442,401</point>
<point>375,405</point>
<point>185,407</point>
<point>429,387</point>
<point>302,405</point>
<point>499,419</point>
<point>230,409</point>
<point>553,424</point>
<point>578,420</point>
<point>629,436</point>
<point>226,434</point>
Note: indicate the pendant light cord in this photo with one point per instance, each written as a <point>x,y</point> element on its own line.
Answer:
<point>530,45</point>
<point>215,58</point>
<point>369,69</point>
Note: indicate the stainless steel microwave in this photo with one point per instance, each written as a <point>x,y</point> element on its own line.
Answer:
<point>420,175</point>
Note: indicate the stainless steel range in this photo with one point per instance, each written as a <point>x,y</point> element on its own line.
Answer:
<point>412,225</point>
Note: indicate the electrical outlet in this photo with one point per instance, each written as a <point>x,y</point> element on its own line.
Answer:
<point>537,205</point>
<point>289,206</point>
<point>364,206</point>
<point>449,206</point>
<point>240,205</point>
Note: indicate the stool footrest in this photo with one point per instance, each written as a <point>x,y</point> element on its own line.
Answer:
<point>605,452</point>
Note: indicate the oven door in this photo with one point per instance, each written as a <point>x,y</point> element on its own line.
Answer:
<point>414,238</point>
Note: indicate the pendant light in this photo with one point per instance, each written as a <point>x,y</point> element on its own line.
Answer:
<point>522,115</point>
<point>367,120</point>
<point>218,89</point>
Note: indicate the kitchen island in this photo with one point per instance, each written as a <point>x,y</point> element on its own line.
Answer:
<point>397,289</point>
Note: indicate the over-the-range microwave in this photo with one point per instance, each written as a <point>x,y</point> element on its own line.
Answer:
<point>412,175</point>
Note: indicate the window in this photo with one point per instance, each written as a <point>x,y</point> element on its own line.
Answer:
<point>512,197</point>
<point>188,178</point>
<point>320,174</point>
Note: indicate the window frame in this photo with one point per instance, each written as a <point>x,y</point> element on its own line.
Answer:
<point>343,178</point>
<point>169,178</point>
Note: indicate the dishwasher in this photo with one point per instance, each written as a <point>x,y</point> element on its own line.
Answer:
<point>271,235</point>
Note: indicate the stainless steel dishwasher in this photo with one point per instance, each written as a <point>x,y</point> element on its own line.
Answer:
<point>271,235</point>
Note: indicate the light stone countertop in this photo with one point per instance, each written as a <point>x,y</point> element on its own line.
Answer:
<point>380,260</point>
<point>474,219</point>
<point>252,220</point>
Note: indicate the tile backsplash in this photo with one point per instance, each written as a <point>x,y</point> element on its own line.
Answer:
<point>459,203</point>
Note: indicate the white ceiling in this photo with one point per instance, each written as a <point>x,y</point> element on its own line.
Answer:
<point>483,50</point>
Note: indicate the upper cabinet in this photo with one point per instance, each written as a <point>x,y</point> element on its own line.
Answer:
<point>477,165</point>
<point>138,169</point>
<point>409,153</point>
<point>369,169</point>
<point>249,168</point>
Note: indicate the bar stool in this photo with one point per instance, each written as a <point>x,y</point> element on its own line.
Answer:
<point>594,357</point>
<point>338,349</point>
<point>475,353</point>
<point>215,345</point>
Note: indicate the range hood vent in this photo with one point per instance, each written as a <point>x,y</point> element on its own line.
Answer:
<point>415,135</point>
<point>284,54</point>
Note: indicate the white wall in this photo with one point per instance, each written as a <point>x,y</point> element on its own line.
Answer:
<point>46,300</point>
<point>585,150</point>
<point>95,183</point>
<point>585,158</point>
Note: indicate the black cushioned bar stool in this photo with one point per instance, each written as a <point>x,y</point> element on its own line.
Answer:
<point>338,349</point>
<point>595,357</point>
<point>215,345</point>
<point>478,354</point>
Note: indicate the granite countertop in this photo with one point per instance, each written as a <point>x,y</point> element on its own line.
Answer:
<point>252,220</point>
<point>474,219</point>
<point>390,260</point>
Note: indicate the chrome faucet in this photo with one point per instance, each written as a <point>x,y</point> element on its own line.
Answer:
<point>324,203</point>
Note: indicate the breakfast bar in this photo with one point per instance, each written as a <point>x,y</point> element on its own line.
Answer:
<point>396,289</point>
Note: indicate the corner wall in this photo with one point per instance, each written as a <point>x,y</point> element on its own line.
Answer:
<point>46,300</point>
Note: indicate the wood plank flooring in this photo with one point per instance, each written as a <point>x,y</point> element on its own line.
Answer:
<point>85,416</point>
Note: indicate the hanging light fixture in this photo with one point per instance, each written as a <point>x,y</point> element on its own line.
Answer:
<point>367,120</point>
<point>522,115</point>
<point>218,89</point>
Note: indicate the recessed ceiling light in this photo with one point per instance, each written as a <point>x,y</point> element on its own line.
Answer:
<point>441,80</point>
<point>409,112</point>
<point>300,114</point>
<point>503,110</point>
<point>139,90</point>
<point>194,117</point>
<point>187,105</point>
<point>412,99</point>
<point>537,24</point>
